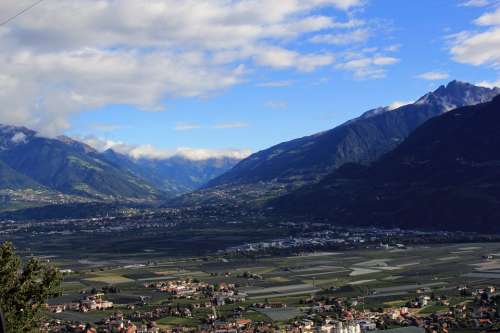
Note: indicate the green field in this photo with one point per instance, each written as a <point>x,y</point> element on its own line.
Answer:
<point>381,277</point>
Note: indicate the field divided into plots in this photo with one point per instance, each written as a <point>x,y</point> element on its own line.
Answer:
<point>379,276</point>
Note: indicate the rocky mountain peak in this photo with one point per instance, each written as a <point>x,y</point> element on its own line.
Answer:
<point>457,94</point>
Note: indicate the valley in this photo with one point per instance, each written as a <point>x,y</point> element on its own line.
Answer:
<point>386,222</point>
<point>249,166</point>
<point>285,291</point>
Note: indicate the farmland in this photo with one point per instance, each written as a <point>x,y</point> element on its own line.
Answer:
<point>378,278</point>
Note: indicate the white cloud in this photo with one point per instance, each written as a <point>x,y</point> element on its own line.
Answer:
<point>343,4</point>
<point>56,85</point>
<point>367,66</point>
<point>151,152</point>
<point>275,84</point>
<point>280,58</point>
<point>346,38</point>
<point>182,126</point>
<point>475,3</point>
<point>479,47</point>
<point>350,24</point>
<point>384,61</point>
<point>204,154</point>
<point>434,76</point>
<point>65,57</point>
<point>489,84</point>
<point>231,125</point>
<point>19,137</point>
<point>393,48</point>
<point>489,19</point>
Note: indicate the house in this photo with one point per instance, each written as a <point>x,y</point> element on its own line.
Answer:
<point>366,326</point>
<point>243,323</point>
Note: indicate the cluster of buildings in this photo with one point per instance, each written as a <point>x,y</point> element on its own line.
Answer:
<point>159,312</point>
<point>482,313</point>
<point>94,302</point>
<point>328,326</point>
<point>179,288</point>
<point>326,236</point>
<point>218,295</point>
<point>324,315</point>
<point>115,326</point>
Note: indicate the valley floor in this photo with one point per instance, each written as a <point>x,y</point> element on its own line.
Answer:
<point>181,271</point>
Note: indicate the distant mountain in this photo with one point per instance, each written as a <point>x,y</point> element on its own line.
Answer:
<point>65,166</point>
<point>39,170</point>
<point>445,175</point>
<point>174,175</point>
<point>299,162</point>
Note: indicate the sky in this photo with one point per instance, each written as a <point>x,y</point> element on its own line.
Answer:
<point>205,78</point>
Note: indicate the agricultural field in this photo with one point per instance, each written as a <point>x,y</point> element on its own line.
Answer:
<point>377,278</point>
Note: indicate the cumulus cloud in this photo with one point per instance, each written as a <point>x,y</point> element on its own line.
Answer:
<point>367,64</point>
<point>19,137</point>
<point>275,84</point>
<point>65,57</point>
<point>489,84</point>
<point>489,19</point>
<point>151,152</point>
<point>281,58</point>
<point>346,38</point>
<point>479,47</point>
<point>434,76</point>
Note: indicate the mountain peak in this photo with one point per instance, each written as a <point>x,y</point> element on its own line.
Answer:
<point>14,135</point>
<point>361,140</point>
<point>450,96</point>
<point>455,86</point>
<point>459,84</point>
<point>457,94</point>
<point>443,176</point>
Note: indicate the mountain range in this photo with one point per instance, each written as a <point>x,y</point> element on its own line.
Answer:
<point>39,170</point>
<point>326,175</point>
<point>290,165</point>
<point>444,176</point>
<point>173,175</point>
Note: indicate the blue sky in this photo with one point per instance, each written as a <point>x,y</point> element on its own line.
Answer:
<point>327,62</point>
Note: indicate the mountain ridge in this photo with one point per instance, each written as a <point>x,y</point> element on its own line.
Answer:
<point>68,166</point>
<point>176,174</point>
<point>445,175</point>
<point>360,140</point>
<point>289,165</point>
<point>36,169</point>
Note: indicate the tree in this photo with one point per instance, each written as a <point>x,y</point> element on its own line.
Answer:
<point>24,290</point>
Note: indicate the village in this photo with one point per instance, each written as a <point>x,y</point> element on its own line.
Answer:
<point>476,309</point>
<point>306,277</point>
